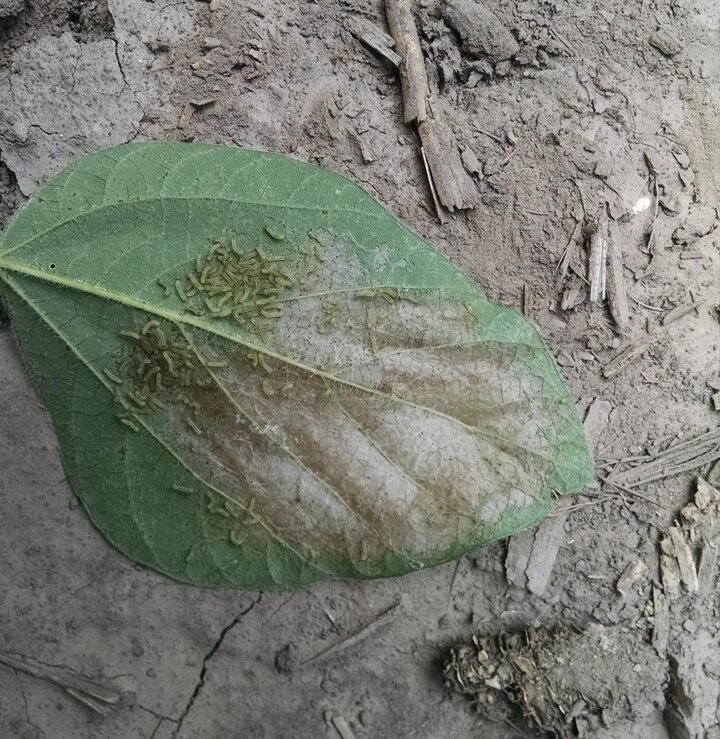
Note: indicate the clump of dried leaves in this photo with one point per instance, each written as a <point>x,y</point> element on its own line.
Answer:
<point>517,676</point>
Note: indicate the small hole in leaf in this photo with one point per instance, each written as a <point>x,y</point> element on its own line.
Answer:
<point>52,265</point>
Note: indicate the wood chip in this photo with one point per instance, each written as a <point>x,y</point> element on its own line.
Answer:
<point>186,116</point>
<point>713,477</point>
<point>666,42</point>
<point>454,187</point>
<point>707,569</point>
<point>342,727</point>
<point>366,151</point>
<point>661,622</point>
<point>567,256</point>
<point>596,420</point>
<point>705,494</point>
<point>691,252</point>
<point>471,162</point>
<point>519,549</point>
<point>669,571</point>
<point>573,295</point>
<point>527,301</point>
<point>189,110</point>
<point>632,573</point>
<point>546,544</point>
<point>375,38</point>
<point>716,400</point>
<point>653,161</point>
<point>686,563</point>
<point>626,357</point>
<point>531,555</point>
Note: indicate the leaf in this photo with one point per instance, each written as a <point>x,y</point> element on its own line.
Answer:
<point>259,377</point>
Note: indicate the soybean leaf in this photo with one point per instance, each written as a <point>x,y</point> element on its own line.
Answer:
<point>260,377</point>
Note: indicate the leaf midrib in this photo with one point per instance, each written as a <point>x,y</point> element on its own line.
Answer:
<point>177,318</point>
<point>164,198</point>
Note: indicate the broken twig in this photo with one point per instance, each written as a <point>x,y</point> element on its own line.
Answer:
<point>450,184</point>
<point>627,356</point>
<point>95,697</point>
<point>680,312</point>
<point>355,637</point>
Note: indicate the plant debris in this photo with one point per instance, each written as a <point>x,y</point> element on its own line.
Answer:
<point>97,698</point>
<point>375,38</point>
<point>680,457</point>
<point>547,680</point>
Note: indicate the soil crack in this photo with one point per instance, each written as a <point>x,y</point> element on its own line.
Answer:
<point>25,704</point>
<point>206,664</point>
<point>119,63</point>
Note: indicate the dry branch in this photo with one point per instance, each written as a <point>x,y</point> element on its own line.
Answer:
<point>436,202</point>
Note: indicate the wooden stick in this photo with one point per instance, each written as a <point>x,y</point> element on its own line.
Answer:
<point>597,275</point>
<point>413,77</point>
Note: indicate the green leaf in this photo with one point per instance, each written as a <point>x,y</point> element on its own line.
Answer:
<point>260,377</point>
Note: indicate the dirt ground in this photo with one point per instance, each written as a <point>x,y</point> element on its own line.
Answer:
<point>613,102</point>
